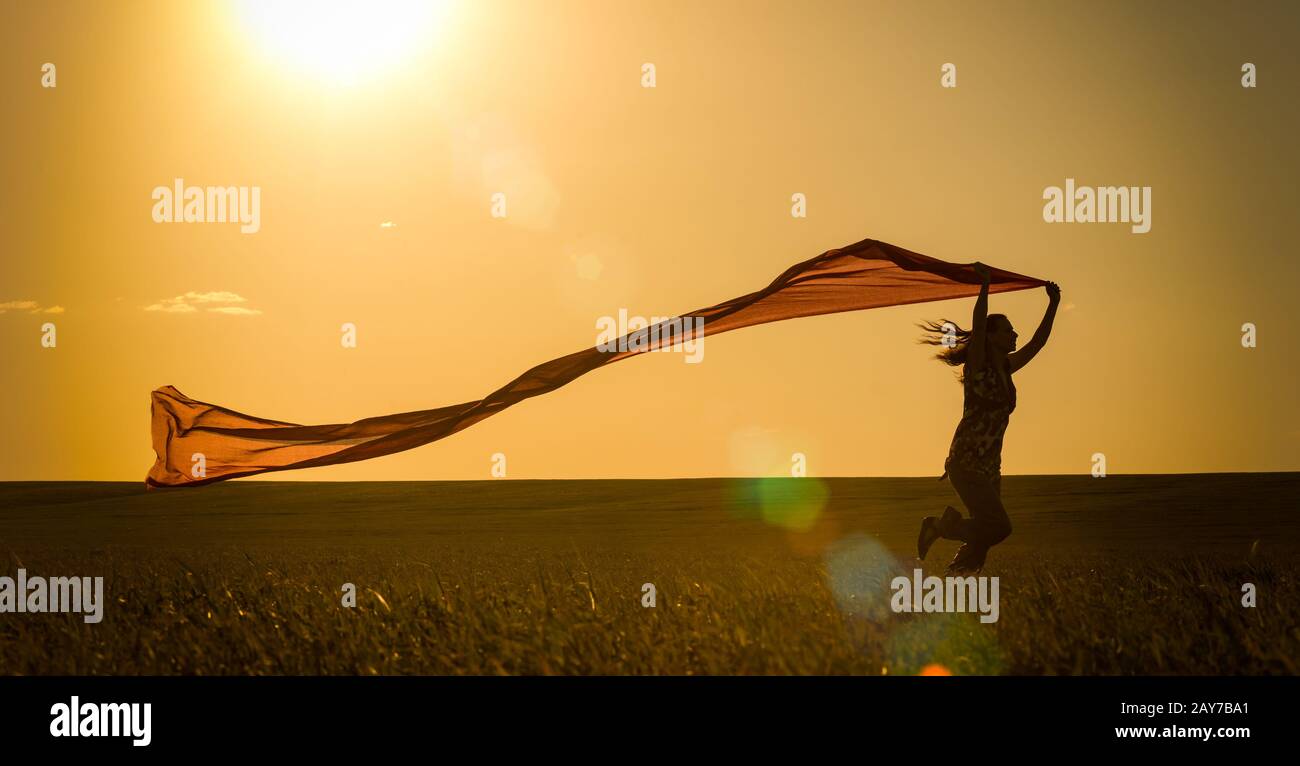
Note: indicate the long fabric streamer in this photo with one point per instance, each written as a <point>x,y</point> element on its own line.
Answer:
<point>866,275</point>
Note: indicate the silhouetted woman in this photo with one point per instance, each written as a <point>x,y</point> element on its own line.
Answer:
<point>974,465</point>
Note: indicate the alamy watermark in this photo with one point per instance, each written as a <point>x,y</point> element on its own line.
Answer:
<point>83,595</point>
<point>623,333</point>
<point>945,594</point>
<point>1103,204</point>
<point>103,719</point>
<point>210,204</point>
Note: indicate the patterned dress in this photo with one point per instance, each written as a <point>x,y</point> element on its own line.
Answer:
<point>977,443</point>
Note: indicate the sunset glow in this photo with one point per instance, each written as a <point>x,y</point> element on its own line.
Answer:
<point>342,41</point>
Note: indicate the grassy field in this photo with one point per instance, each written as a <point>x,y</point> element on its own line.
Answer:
<point>1122,575</point>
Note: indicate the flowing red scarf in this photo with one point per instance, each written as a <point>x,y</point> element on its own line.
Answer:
<point>865,275</point>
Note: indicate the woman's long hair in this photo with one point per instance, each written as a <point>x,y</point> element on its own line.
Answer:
<point>952,338</point>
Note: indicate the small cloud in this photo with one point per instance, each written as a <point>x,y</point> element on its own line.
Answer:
<point>31,307</point>
<point>212,297</point>
<point>192,300</point>
<point>171,308</point>
<point>18,306</point>
<point>387,225</point>
<point>236,310</point>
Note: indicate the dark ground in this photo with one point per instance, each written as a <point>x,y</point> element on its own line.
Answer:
<point>1121,575</point>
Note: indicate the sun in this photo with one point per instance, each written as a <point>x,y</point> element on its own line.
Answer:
<point>342,41</point>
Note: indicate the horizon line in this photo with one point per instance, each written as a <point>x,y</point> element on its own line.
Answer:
<point>932,477</point>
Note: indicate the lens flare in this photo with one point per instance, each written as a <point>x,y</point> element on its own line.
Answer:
<point>859,570</point>
<point>956,642</point>
<point>794,504</point>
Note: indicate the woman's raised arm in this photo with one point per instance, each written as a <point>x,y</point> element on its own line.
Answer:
<point>979,319</point>
<point>1021,358</point>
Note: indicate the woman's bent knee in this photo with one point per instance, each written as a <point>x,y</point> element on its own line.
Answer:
<point>1000,531</point>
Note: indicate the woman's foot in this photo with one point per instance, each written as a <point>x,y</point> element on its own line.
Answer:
<point>932,529</point>
<point>966,563</point>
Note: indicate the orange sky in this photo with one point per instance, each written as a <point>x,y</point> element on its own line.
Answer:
<point>657,201</point>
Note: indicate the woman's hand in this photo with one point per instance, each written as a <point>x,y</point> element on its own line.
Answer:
<point>982,272</point>
<point>1053,292</point>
